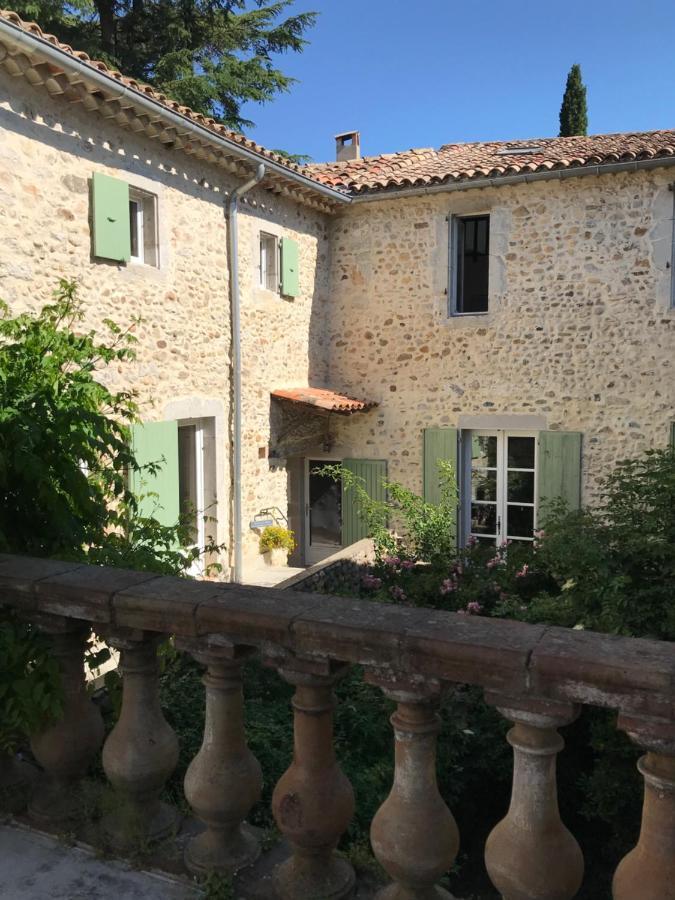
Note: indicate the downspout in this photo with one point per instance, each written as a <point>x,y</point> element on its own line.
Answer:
<point>235,306</point>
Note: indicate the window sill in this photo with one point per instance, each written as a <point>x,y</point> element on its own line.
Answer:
<point>469,320</point>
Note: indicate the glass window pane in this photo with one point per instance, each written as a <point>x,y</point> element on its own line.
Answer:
<point>472,264</point>
<point>520,487</point>
<point>483,518</point>
<point>520,521</point>
<point>133,225</point>
<point>187,475</point>
<point>150,242</point>
<point>325,508</point>
<point>483,485</point>
<point>521,452</point>
<point>268,262</point>
<point>484,450</point>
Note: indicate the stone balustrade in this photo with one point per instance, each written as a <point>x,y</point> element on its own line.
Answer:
<point>538,678</point>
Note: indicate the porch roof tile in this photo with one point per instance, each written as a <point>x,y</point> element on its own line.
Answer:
<point>322,398</point>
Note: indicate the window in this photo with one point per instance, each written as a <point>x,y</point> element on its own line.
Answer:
<point>197,477</point>
<point>143,227</point>
<point>501,469</point>
<point>469,269</point>
<point>269,262</point>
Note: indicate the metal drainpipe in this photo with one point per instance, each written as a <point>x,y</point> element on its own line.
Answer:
<point>233,234</point>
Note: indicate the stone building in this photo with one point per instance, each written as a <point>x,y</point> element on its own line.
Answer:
<point>508,306</point>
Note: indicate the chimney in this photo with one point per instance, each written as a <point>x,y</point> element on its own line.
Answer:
<point>348,146</point>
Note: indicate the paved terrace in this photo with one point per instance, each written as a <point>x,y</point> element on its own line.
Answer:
<point>538,677</point>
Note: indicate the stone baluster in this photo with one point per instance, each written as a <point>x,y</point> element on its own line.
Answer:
<point>224,779</point>
<point>414,835</point>
<point>313,801</point>
<point>141,751</point>
<point>648,871</point>
<point>530,854</point>
<point>65,748</point>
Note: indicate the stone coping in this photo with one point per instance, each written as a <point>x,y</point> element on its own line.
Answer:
<point>632,675</point>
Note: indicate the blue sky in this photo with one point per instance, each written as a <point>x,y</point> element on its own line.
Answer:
<point>422,73</point>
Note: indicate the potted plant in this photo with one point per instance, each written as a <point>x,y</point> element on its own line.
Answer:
<point>276,542</point>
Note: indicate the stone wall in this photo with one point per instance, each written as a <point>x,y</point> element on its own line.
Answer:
<point>48,152</point>
<point>579,334</point>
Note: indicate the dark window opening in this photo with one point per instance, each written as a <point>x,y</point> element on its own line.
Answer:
<point>473,257</point>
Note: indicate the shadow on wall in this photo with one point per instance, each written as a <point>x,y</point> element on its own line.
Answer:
<point>143,159</point>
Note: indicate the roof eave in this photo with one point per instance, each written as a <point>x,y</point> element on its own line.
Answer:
<point>36,45</point>
<point>391,193</point>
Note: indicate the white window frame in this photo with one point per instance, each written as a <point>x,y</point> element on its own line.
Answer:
<point>453,258</point>
<point>502,468</point>
<point>142,199</point>
<point>263,237</point>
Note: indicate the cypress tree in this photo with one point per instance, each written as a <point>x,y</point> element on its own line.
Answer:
<point>573,112</point>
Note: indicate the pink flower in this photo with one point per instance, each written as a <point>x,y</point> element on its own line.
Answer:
<point>521,573</point>
<point>408,564</point>
<point>458,569</point>
<point>495,561</point>
<point>448,585</point>
<point>371,581</point>
<point>392,561</point>
<point>472,541</point>
<point>474,608</point>
<point>397,592</point>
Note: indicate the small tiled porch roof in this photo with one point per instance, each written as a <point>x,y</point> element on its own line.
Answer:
<point>323,399</point>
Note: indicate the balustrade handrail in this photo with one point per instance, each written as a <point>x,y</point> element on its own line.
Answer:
<point>633,675</point>
<point>537,676</point>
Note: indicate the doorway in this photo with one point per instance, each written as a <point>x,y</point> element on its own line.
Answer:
<point>323,512</point>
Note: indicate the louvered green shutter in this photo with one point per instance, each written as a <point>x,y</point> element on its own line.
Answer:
<point>290,279</point>
<point>157,442</point>
<point>373,472</point>
<point>559,469</point>
<point>112,230</point>
<point>439,443</point>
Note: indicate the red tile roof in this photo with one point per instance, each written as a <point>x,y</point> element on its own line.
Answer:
<point>496,159</point>
<point>157,96</point>
<point>323,399</point>
<point>411,168</point>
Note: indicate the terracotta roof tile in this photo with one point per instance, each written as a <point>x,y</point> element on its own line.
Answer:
<point>494,159</point>
<point>420,167</point>
<point>323,399</point>
<point>148,91</point>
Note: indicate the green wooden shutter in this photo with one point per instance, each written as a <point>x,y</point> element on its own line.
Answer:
<point>112,231</point>
<point>439,443</point>
<point>559,469</point>
<point>373,472</point>
<point>290,278</point>
<point>157,442</point>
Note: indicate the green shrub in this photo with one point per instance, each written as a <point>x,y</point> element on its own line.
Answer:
<point>30,687</point>
<point>65,452</point>
<point>276,537</point>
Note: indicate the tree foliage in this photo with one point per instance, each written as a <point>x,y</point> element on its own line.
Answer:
<point>211,55</point>
<point>65,452</point>
<point>574,111</point>
<point>65,446</point>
